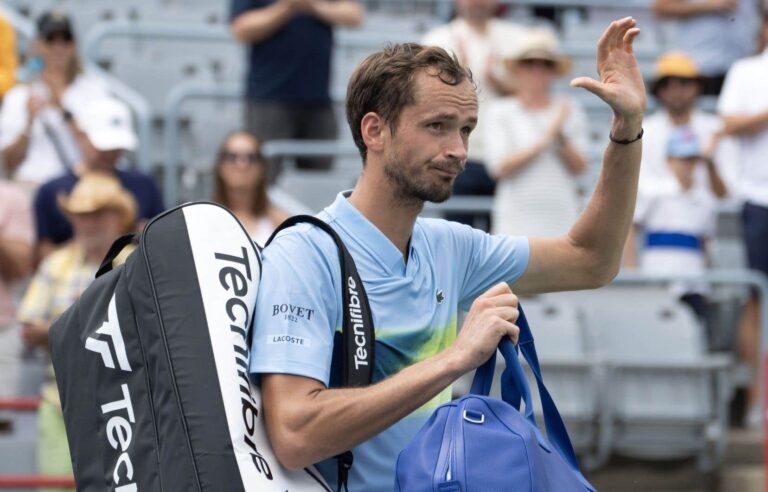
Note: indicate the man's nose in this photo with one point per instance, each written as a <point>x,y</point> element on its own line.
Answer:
<point>457,147</point>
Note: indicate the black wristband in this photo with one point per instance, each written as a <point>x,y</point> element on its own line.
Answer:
<point>627,142</point>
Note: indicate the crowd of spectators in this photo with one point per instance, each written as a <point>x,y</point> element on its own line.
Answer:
<point>68,192</point>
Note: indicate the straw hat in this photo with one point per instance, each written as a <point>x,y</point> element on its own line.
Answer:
<point>674,64</point>
<point>538,44</point>
<point>96,191</point>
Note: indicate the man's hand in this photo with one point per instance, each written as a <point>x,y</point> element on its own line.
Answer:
<point>621,84</point>
<point>493,316</point>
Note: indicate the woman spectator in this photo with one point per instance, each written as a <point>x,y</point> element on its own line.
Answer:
<point>241,185</point>
<point>35,140</point>
<point>536,144</point>
<point>100,210</point>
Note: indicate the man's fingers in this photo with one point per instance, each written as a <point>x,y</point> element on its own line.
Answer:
<point>629,38</point>
<point>512,331</point>
<point>507,313</point>
<point>589,84</point>
<point>500,288</point>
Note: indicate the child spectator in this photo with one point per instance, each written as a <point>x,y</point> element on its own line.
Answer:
<point>677,219</point>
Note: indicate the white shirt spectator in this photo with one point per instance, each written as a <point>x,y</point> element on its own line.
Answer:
<point>42,161</point>
<point>541,199</point>
<point>745,93</point>
<point>667,209</point>
<point>715,41</point>
<point>481,54</point>
<point>658,127</point>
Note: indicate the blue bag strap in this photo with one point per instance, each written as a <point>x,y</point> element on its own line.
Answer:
<point>514,387</point>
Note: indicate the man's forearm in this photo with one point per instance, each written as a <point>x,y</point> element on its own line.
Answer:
<point>332,421</point>
<point>347,13</point>
<point>15,259</point>
<point>259,24</point>
<point>745,125</point>
<point>679,9</point>
<point>14,154</point>
<point>602,228</point>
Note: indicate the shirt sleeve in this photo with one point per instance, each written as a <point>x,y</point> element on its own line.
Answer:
<point>37,303</point>
<point>13,117</point>
<point>16,221</point>
<point>498,137</point>
<point>488,260</point>
<point>238,7</point>
<point>43,206</point>
<point>297,307</point>
<point>732,98</point>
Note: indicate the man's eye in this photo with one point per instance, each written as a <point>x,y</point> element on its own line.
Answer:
<point>467,130</point>
<point>436,125</point>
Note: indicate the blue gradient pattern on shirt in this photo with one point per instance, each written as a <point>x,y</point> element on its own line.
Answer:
<point>414,305</point>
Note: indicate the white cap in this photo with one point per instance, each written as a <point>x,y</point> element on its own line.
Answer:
<point>107,123</point>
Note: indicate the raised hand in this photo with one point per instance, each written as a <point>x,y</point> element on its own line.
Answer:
<point>621,84</point>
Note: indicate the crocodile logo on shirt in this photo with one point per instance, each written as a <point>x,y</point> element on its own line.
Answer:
<point>439,296</point>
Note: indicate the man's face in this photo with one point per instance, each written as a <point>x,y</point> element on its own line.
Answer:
<point>428,149</point>
<point>97,229</point>
<point>678,94</point>
<point>476,9</point>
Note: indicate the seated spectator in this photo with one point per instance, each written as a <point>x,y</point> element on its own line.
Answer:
<point>241,185</point>
<point>476,37</point>
<point>676,220</point>
<point>289,67</point>
<point>100,210</point>
<point>536,144</point>
<point>677,87</point>
<point>104,131</point>
<point>16,240</point>
<point>715,33</point>
<point>36,142</point>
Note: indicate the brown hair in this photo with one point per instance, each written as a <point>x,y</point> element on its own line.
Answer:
<point>383,83</point>
<point>260,204</point>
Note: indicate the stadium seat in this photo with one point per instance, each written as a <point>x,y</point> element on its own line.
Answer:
<point>668,396</point>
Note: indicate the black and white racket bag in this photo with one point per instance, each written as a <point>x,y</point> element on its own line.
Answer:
<point>152,362</point>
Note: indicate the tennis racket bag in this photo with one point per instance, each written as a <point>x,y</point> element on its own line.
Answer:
<point>152,363</point>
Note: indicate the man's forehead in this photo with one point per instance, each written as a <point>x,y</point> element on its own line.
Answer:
<point>430,92</point>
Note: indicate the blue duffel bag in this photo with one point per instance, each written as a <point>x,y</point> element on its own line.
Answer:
<point>481,444</point>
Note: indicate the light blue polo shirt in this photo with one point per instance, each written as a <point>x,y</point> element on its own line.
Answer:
<point>414,305</point>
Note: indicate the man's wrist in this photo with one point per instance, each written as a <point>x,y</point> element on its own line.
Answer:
<point>626,128</point>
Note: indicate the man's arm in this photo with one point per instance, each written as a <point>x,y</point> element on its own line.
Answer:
<point>256,25</point>
<point>347,13</point>
<point>678,9</point>
<point>15,259</point>
<point>745,125</point>
<point>590,254</point>
<point>308,423</point>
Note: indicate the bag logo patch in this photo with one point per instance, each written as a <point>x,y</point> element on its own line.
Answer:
<point>111,329</point>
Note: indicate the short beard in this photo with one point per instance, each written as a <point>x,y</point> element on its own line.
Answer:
<point>409,191</point>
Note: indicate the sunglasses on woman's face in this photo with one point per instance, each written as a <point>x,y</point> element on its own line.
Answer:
<point>61,37</point>
<point>251,158</point>
<point>537,63</point>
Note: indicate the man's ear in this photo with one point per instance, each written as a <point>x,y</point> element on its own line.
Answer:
<point>374,131</point>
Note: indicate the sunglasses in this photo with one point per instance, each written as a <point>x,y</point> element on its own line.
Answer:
<point>251,158</point>
<point>534,62</point>
<point>65,37</point>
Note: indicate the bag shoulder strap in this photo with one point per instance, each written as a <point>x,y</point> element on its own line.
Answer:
<point>357,327</point>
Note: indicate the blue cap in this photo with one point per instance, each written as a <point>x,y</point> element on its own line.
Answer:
<point>683,143</point>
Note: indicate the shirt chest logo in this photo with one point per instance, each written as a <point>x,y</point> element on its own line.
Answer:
<point>292,312</point>
<point>439,296</point>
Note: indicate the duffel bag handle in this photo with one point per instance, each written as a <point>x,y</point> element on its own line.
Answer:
<point>117,247</point>
<point>514,387</point>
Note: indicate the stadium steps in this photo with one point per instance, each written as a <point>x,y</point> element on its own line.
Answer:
<point>742,471</point>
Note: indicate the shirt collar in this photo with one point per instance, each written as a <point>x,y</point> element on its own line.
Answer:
<point>366,234</point>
